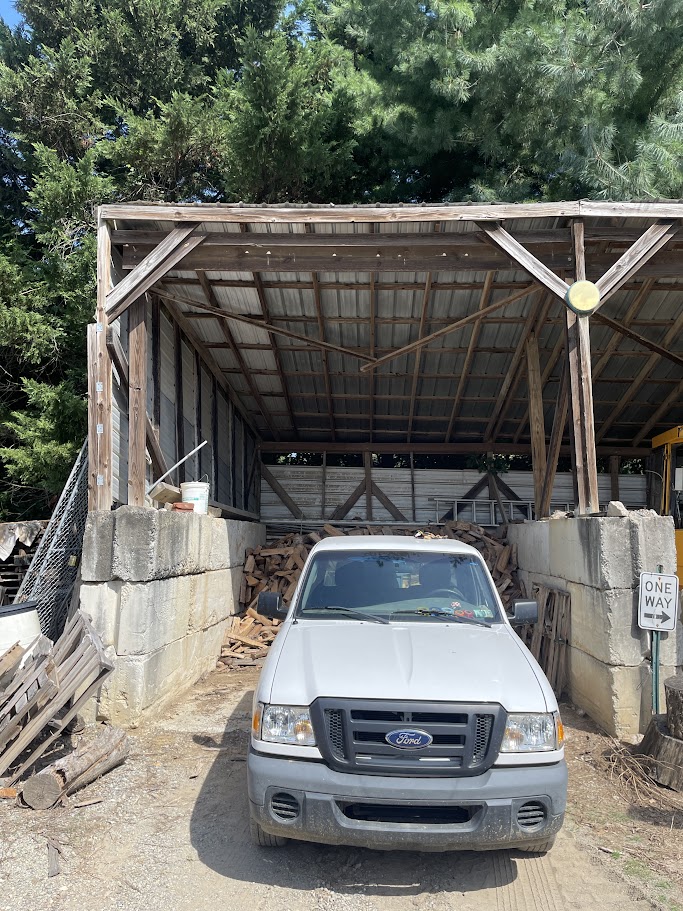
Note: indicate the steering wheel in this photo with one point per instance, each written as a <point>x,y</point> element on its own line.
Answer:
<point>444,591</point>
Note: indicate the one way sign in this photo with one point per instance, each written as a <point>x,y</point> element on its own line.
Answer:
<point>658,602</point>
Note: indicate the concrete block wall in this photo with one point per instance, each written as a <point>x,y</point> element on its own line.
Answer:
<point>160,587</point>
<point>598,560</point>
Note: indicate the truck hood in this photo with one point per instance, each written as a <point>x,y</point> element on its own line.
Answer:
<point>427,661</point>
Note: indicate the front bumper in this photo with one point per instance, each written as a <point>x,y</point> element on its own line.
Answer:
<point>326,799</point>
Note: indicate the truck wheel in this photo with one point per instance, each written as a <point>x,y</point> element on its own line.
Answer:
<point>264,839</point>
<point>541,847</point>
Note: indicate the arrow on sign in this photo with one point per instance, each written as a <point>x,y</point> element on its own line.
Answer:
<point>663,618</point>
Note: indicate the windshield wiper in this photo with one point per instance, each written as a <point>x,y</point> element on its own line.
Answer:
<point>347,610</point>
<point>443,615</point>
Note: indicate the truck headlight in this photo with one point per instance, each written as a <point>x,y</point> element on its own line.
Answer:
<point>285,724</point>
<point>533,733</point>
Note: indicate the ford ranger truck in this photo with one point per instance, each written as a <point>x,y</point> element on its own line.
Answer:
<point>398,709</point>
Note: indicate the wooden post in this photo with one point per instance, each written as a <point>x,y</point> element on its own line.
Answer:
<point>99,384</point>
<point>581,385</point>
<point>536,420</point>
<point>367,463</point>
<point>179,404</point>
<point>412,486</point>
<point>137,395</point>
<point>614,477</point>
<point>323,486</point>
<point>555,442</point>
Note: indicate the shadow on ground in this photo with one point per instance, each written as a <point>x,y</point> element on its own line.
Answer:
<point>219,832</point>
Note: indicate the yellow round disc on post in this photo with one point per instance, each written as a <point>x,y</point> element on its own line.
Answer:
<point>582,297</point>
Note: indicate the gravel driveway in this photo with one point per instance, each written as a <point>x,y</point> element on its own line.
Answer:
<point>171,832</point>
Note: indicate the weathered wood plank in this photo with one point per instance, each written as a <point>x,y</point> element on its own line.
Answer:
<point>500,238</point>
<point>99,384</point>
<point>172,249</point>
<point>536,419</point>
<point>137,399</point>
<point>280,492</point>
<point>630,262</point>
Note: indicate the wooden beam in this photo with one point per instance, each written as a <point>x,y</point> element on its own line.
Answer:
<point>614,477</point>
<point>418,351</point>
<point>494,494</point>
<point>611,347</point>
<point>175,246</point>
<point>581,385</point>
<point>674,398</point>
<point>630,262</point>
<point>393,510</point>
<point>318,304</point>
<point>497,416</point>
<point>373,349</point>
<point>429,448</point>
<point>639,339</point>
<point>555,445</point>
<point>630,395</point>
<point>179,401</point>
<point>458,324</point>
<point>137,398</point>
<point>535,390</point>
<point>597,234</point>
<point>220,212</point>
<point>349,503</point>
<point>237,354</point>
<point>259,324</point>
<point>263,300</point>
<point>120,362</point>
<point>469,357</point>
<point>99,384</point>
<point>280,492</point>
<point>502,240</point>
<point>367,465</point>
<point>156,363</point>
<point>412,486</point>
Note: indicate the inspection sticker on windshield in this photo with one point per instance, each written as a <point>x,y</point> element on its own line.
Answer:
<point>658,602</point>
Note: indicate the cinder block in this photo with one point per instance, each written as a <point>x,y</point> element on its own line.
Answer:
<point>184,544</point>
<point>592,551</point>
<point>101,602</point>
<point>98,546</point>
<point>653,543</point>
<point>214,597</point>
<point>533,545</point>
<point>229,540</point>
<point>153,614</point>
<point>604,624</point>
<point>141,683</point>
<point>135,543</point>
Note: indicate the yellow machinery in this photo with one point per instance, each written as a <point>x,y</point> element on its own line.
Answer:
<point>667,449</point>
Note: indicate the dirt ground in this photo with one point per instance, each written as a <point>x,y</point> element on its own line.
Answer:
<point>171,831</point>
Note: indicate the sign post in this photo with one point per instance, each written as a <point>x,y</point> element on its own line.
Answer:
<point>657,612</point>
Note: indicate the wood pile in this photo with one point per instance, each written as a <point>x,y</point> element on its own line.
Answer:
<point>276,567</point>
<point>21,539</point>
<point>42,690</point>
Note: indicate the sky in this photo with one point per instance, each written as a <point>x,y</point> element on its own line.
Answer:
<point>9,13</point>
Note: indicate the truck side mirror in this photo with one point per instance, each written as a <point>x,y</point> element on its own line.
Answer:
<point>271,605</point>
<point>524,612</point>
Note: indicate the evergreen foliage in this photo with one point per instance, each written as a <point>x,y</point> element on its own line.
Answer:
<point>317,100</point>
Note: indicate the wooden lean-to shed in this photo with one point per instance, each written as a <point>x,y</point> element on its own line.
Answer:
<point>379,329</point>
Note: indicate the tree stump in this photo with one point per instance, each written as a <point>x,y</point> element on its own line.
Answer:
<point>673,687</point>
<point>84,765</point>
<point>666,753</point>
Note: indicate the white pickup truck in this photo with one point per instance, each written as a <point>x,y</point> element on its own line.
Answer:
<point>398,709</point>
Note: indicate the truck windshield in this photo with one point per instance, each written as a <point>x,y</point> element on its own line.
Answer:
<point>404,586</point>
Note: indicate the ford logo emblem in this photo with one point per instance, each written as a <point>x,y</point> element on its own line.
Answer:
<point>409,739</point>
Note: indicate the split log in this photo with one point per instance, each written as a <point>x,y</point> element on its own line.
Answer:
<point>673,687</point>
<point>78,769</point>
<point>666,753</point>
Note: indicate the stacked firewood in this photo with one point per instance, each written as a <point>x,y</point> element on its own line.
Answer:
<point>276,567</point>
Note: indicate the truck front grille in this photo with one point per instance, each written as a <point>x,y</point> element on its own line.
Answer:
<point>352,735</point>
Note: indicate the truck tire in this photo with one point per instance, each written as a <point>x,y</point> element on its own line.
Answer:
<point>264,839</point>
<point>541,847</point>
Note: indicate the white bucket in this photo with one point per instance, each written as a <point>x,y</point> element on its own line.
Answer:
<point>18,623</point>
<point>196,492</point>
